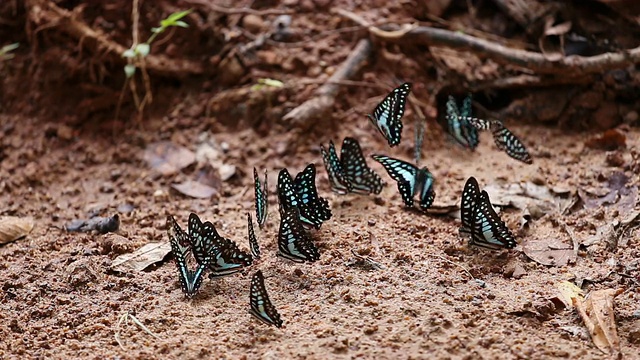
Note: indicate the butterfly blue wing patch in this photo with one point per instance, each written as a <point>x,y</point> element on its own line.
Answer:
<point>294,243</point>
<point>488,230</point>
<point>470,194</point>
<point>403,173</point>
<point>387,116</point>
<point>358,174</point>
<point>253,241</point>
<point>190,281</point>
<point>427,193</point>
<point>458,124</point>
<point>333,165</point>
<point>260,305</point>
<point>314,210</point>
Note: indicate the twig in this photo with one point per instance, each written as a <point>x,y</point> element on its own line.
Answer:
<point>324,96</point>
<point>568,66</point>
<point>125,319</point>
<point>454,264</point>
<point>244,11</point>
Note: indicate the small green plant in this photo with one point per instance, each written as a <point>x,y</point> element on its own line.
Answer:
<point>263,83</point>
<point>5,51</point>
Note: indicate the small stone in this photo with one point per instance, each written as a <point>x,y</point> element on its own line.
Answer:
<point>64,132</point>
<point>253,23</point>
<point>379,201</point>
<point>372,222</point>
<point>227,172</point>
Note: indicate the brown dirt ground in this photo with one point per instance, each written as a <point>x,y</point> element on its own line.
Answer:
<point>60,300</point>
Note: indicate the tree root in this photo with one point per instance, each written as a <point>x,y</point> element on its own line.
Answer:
<point>324,97</point>
<point>570,66</point>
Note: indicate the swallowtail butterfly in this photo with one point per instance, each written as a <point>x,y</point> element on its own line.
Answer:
<point>480,220</point>
<point>358,174</point>
<point>226,257</point>
<point>253,241</point>
<point>190,281</point>
<point>509,143</point>
<point>459,123</point>
<point>387,116</point>
<point>262,193</point>
<point>294,243</point>
<point>302,193</point>
<point>260,305</point>
<point>333,165</point>
<point>411,180</point>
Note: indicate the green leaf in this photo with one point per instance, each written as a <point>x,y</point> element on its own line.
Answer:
<point>157,30</point>
<point>271,82</point>
<point>129,54</point>
<point>129,70</point>
<point>182,24</point>
<point>143,49</point>
<point>179,15</point>
<point>7,48</point>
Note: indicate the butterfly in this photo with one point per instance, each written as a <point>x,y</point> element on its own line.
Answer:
<point>294,242</point>
<point>190,281</point>
<point>509,143</point>
<point>253,241</point>
<point>302,193</point>
<point>387,116</point>
<point>460,124</point>
<point>410,179</point>
<point>262,193</point>
<point>226,257</point>
<point>261,306</point>
<point>333,165</point>
<point>480,220</point>
<point>358,174</point>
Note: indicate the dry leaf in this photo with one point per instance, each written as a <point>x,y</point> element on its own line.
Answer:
<point>550,252</point>
<point>13,228</point>
<point>568,292</point>
<point>143,257</point>
<point>168,158</point>
<point>195,189</point>
<point>609,140</point>
<point>599,318</point>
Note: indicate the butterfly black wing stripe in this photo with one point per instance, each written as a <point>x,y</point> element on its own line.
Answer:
<point>253,241</point>
<point>314,210</point>
<point>387,116</point>
<point>332,164</point>
<point>488,229</point>
<point>261,195</point>
<point>190,281</point>
<point>509,143</point>
<point>362,178</point>
<point>470,195</point>
<point>294,242</point>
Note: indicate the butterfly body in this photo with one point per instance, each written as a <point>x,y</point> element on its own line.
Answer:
<point>260,305</point>
<point>387,116</point>
<point>480,221</point>
<point>411,180</point>
<point>302,194</point>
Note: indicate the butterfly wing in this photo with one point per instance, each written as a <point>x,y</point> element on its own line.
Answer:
<point>260,305</point>
<point>314,210</point>
<point>332,164</point>
<point>293,241</point>
<point>190,281</point>
<point>253,241</point>
<point>488,230</point>
<point>458,123</point>
<point>356,170</point>
<point>261,192</point>
<point>470,193</point>
<point>509,143</point>
<point>427,193</point>
<point>201,240</point>
<point>228,259</point>
<point>403,173</point>
<point>387,116</point>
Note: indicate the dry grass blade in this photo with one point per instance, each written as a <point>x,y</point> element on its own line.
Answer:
<point>124,318</point>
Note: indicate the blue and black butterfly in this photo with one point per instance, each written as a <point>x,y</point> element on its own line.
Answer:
<point>253,241</point>
<point>480,221</point>
<point>180,241</point>
<point>461,125</point>
<point>226,257</point>
<point>262,193</point>
<point>335,171</point>
<point>294,243</point>
<point>509,143</point>
<point>302,194</point>
<point>387,116</point>
<point>260,305</point>
<point>411,180</point>
<point>350,172</point>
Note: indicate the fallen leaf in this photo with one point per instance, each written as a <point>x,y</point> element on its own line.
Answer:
<point>609,140</point>
<point>550,252</point>
<point>140,259</point>
<point>13,228</point>
<point>168,158</point>
<point>195,189</point>
<point>568,291</point>
<point>537,199</point>
<point>599,317</point>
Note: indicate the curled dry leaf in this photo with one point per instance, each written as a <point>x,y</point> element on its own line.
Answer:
<point>549,251</point>
<point>13,228</point>
<point>141,259</point>
<point>195,189</point>
<point>599,318</point>
<point>168,158</point>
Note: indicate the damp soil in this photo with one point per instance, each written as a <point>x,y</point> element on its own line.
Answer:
<point>433,297</point>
